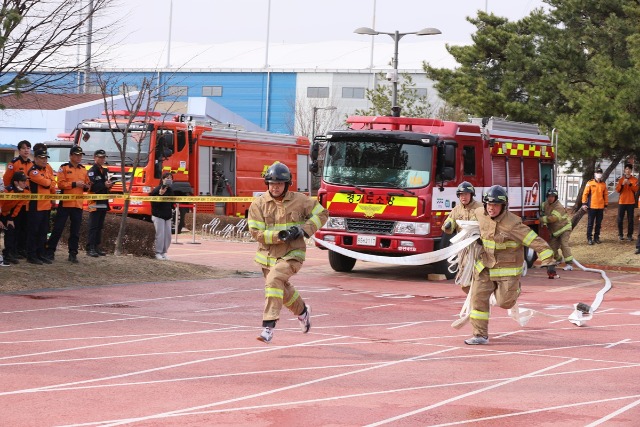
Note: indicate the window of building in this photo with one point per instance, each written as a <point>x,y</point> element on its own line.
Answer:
<point>422,92</point>
<point>177,91</point>
<point>317,92</point>
<point>211,90</point>
<point>353,92</point>
<point>469,160</point>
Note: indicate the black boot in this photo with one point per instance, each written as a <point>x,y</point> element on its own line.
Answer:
<point>73,258</point>
<point>92,252</point>
<point>100,252</point>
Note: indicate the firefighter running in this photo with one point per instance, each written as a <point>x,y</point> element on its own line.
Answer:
<point>500,264</point>
<point>556,218</point>
<point>278,220</point>
<point>465,211</point>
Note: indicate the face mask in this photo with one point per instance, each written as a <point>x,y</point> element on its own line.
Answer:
<point>167,181</point>
<point>598,176</point>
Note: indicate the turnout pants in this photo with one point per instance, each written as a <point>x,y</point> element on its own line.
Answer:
<point>628,209</point>
<point>278,291</point>
<point>561,242</point>
<point>506,289</point>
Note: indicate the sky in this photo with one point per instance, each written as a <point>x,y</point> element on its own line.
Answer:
<point>236,30</point>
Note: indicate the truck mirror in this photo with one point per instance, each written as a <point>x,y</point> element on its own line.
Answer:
<point>448,173</point>
<point>315,149</point>
<point>313,167</point>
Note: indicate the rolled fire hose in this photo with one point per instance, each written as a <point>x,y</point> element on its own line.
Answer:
<point>467,236</point>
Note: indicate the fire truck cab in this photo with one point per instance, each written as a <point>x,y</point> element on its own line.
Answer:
<point>389,182</point>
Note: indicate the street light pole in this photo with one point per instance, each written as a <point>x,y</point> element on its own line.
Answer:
<point>396,36</point>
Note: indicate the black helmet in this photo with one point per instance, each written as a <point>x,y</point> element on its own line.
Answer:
<point>465,187</point>
<point>277,172</point>
<point>496,194</point>
<point>552,192</point>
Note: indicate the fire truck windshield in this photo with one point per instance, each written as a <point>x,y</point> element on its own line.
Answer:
<point>95,139</point>
<point>377,163</point>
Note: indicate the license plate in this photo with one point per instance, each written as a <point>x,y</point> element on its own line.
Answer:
<point>366,240</point>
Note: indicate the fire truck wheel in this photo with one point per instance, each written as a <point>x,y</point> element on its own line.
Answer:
<point>341,263</point>
<point>442,267</point>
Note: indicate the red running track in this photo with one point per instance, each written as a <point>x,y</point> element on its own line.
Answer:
<point>381,351</point>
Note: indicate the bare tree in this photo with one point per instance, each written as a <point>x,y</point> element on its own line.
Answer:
<point>37,38</point>
<point>302,121</point>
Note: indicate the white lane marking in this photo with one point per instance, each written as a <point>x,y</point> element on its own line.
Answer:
<point>269,392</point>
<point>358,293</point>
<point>613,344</point>
<point>635,313</point>
<point>377,306</point>
<point>471,393</point>
<point>406,325</point>
<point>506,334</point>
<point>438,299</point>
<point>217,309</point>
<point>614,414</point>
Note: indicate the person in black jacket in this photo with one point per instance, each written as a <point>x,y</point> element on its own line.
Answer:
<point>161,214</point>
<point>100,184</point>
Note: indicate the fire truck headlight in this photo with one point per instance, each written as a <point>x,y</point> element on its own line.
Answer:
<point>335,223</point>
<point>146,189</point>
<point>420,228</point>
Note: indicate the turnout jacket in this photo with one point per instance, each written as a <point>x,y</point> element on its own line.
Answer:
<point>461,212</point>
<point>68,175</point>
<point>556,218</point>
<point>502,240</point>
<point>595,195</point>
<point>41,181</point>
<point>627,191</point>
<point>17,164</point>
<point>267,217</point>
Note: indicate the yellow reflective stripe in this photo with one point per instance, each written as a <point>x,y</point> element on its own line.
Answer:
<point>530,237</point>
<point>568,259</point>
<point>258,225</point>
<point>546,254</point>
<point>293,299</point>
<point>505,272</point>
<point>296,253</point>
<point>260,258</point>
<point>479,315</point>
<point>270,236</point>
<point>559,215</point>
<point>479,266</point>
<point>562,230</point>
<point>273,293</point>
<point>492,244</point>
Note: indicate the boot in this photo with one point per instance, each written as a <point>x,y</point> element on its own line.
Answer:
<point>92,252</point>
<point>73,258</point>
<point>100,252</point>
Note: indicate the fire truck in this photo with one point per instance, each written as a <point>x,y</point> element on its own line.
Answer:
<point>206,159</point>
<point>390,182</point>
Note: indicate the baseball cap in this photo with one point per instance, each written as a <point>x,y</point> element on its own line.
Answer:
<point>19,176</point>
<point>599,170</point>
<point>76,149</point>
<point>42,152</point>
<point>99,153</point>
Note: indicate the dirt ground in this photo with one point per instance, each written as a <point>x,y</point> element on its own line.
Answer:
<point>135,269</point>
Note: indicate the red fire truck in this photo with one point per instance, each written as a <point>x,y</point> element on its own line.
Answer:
<point>389,182</point>
<point>206,159</point>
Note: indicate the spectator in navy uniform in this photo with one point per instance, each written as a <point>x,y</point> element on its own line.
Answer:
<point>100,184</point>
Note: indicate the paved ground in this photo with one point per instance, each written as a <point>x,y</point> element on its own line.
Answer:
<point>381,352</point>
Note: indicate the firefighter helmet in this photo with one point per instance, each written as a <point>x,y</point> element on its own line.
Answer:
<point>465,187</point>
<point>552,192</point>
<point>277,172</point>
<point>496,194</point>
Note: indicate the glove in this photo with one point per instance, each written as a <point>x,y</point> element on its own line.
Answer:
<point>544,220</point>
<point>448,225</point>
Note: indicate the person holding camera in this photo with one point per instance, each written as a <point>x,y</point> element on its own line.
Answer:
<point>627,187</point>
<point>278,220</point>
<point>161,215</point>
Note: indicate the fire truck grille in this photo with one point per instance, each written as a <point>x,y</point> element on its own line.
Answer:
<point>370,226</point>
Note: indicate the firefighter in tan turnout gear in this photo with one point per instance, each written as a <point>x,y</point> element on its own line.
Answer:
<point>278,220</point>
<point>499,266</point>
<point>464,211</point>
<point>556,218</point>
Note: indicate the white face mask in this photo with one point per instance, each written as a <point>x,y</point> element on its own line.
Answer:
<point>598,176</point>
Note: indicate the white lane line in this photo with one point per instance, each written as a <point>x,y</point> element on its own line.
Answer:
<point>217,309</point>
<point>68,325</point>
<point>406,325</point>
<point>471,393</point>
<point>509,333</point>
<point>436,299</point>
<point>358,293</point>
<point>269,392</point>
<point>160,368</point>
<point>377,306</point>
<point>613,344</point>
<point>614,414</point>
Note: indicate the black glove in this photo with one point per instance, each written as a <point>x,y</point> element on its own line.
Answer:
<point>448,225</point>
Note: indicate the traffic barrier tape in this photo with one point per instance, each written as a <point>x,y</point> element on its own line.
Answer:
<point>192,199</point>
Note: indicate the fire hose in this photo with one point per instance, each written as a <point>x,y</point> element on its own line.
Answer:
<point>465,241</point>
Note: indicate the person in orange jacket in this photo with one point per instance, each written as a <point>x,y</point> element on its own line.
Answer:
<point>627,187</point>
<point>21,163</point>
<point>10,209</point>
<point>596,198</point>
<point>41,181</point>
